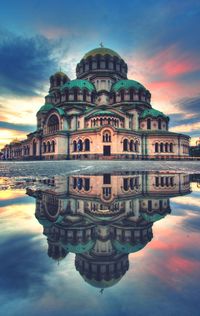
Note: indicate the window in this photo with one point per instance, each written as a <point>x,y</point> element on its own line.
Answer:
<point>80,145</point>
<point>87,144</point>
<point>125,184</point>
<point>148,123</point>
<point>106,137</point>
<point>74,146</point>
<point>106,178</point>
<point>48,147</point>
<point>156,147</point>
<point>171,148</point>
<point>132,147</point>
<point>84,95</point>
<point>159,124</point>
<point>87,184</point>
<point>149,205</point>
<point>122,95</point>
<point>161,147</point>
<point>53,124</point>
<point>53,146</point>
<point>125,145</point>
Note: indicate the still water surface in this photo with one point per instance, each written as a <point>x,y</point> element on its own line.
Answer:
<point>104,244</point>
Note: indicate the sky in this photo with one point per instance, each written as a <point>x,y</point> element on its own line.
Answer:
<point>159,40</point>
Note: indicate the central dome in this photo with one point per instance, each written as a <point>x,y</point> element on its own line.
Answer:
<point>101,51</point>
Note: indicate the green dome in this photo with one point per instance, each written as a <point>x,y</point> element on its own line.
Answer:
<point>46,107</point>
<point>127,84</point>
<point>153,113</point>
<point>79,248</point>
<point>101,51</point>
<point>79,83</point>
<point>127,247</point>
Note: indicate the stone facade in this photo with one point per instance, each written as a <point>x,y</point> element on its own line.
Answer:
<point>99,115</point>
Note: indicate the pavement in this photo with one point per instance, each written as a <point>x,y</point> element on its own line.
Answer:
<point>67,167</point>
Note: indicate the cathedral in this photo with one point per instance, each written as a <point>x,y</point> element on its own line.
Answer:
<point>99,115</point>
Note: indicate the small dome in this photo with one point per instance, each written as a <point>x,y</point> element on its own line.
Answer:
<point>60,73</point>
<point>127,84</point>
<point>101,51</point>
<point>46,108</point>
<point>153,113</point>
<point>79,83</point>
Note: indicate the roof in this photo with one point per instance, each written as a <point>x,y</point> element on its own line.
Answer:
<point>79,83</point>
<point>101,51</point>
<point>103,113</point>
<point>79,248</point>
<point>46,107</point>
<point>153,218</point>
<point>127,84</point>
<point>153,113</point>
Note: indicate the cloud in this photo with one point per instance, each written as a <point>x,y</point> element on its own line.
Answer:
<point>17,127</point>
<point>26,64</point>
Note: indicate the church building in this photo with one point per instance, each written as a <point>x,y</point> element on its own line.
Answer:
<point>99,115</point>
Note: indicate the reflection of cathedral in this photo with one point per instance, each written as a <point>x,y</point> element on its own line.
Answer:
<point>98,115</point>
<point>104,218</point>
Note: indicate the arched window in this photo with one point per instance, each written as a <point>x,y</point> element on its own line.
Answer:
<point>156,147</point>
<point>136,146</point>
<point>44,148</point>
<point>84,95</point>
<point>53,146</point>
<point>75,91</point>
<point>161,147</point>
<point>132,147</point>
<point>114,98</point>
<point>87,184</point>
<point>125,144</point>
<point>74,183</point>
<point>106,137</point>
<point>125,184</point>
<point>80,183</point>
<point>92,97</point>
<point>171,149</point>
<point>74,146</point>
<point>148,123</point>
<point>53,124</point>
<point>159,123</point>
<point>122,95</point>
<point>48,147</point>
<point>149,205</point>
<point>80,145</point>
<point>166,147</point>
<point>87,144</point>
<point>34,148</point>
<point>132,183</point>
<point>131,93</point>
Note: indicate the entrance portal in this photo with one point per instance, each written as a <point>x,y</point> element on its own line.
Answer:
<point>106,150</point>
